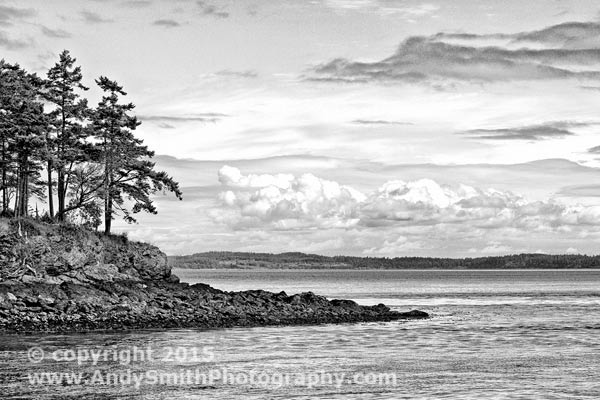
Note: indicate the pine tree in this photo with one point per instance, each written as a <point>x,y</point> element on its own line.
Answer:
<point>129,177</point>
<point>7,88</point>
<point>67,147</point>
<point>23,124</point>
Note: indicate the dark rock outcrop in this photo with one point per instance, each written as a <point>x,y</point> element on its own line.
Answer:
<point>62,278</point>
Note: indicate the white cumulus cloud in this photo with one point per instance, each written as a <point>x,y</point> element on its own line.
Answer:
<point>289,202</point>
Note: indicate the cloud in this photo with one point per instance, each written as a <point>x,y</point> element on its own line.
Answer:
<point>548,130</point>
<point>237,74</point>
<point>202,117</point>
<point>439,57</point>
<point>167,23</point>
<point>572,35</point>
<point>203,222</point>
<point>94,18</point>
<point>534,132</point>
<point>379,122</point>
<point>284,201</point>
<point>581,191</point>
<point>288,202</point>
<point>493,247</point>
<point>8,14</point>
<point>12,44</point>
<point>164,125</point>
<point>384,7</point>
<point>137,3</point>
<point>400,245</point>
<point>568,35</point>
<point>211,10</point>
<point>594,150</point>
<point>55,33</point>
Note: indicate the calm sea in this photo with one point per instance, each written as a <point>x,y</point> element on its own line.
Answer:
<point>493,334</point>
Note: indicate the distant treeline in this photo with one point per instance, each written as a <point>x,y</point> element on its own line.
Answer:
<point>217,260</point>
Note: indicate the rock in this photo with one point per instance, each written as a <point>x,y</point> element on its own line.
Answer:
<point>5,302</point>
<point>74,277</point>
<point>415,314</point>
<point>150,262</point>
<point>45,299</point>
<point>105,272</point>
<point>32,279</point>
<point>53,280</point>
<point>345,303</point>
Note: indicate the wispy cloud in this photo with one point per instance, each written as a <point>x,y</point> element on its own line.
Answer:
<point>10,43</point>
<point>580,191</point>
<point>573,35</point>
<point>549,130</point>
<point>137,3</point>
<point>568,35</point>
<point>95,18</point>
<point>55,33</point>
<point>165,121</point>
<point>237,74</point>
<point>211,10</point>
<point>594,150</point>
<point>384,7</point>
<point>379,122</point>
<point>164,125</point>
<point>8,14</point>
<point>536,132</point>
<point>167,23</point>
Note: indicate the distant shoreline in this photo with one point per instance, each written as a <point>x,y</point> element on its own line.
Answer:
<point>298,261</point>
<point>387,269</point>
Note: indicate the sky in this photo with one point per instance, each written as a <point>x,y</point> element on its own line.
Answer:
<point>357,127</point>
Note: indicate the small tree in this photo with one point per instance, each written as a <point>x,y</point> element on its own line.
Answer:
<point>129,177</point>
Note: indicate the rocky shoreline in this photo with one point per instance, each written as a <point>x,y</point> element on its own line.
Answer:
<point>58,278</point>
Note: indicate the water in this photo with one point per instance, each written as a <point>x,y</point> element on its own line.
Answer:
<point>494,334</point>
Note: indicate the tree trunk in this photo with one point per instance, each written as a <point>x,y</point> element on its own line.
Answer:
<point>107,188</point>
<point>107,197</point>
<point>4,183</point>
<point>21,194</point>
<point>50,194</point>
<point>61,195</point>
<point>17,193</point>
<point>25,190</point>
<point>108,215</point>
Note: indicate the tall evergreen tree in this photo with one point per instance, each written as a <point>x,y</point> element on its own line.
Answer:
<point>129,177</point>
<point>67,147</point>
<point>23,124</point>
<point>7,89</point>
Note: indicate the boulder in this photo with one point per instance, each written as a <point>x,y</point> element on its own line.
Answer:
<point>415,314</point>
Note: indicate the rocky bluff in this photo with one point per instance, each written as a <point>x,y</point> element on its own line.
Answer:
<point>65,278</point>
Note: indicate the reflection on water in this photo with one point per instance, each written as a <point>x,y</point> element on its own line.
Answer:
<point>502,334</point>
